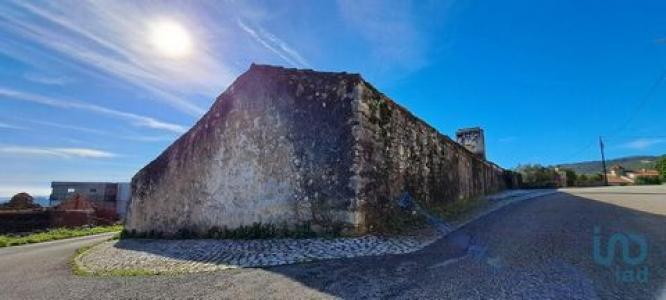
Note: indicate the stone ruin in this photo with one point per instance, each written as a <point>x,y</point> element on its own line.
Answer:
<point>292,147</point>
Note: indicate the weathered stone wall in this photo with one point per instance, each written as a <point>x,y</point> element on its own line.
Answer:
<point>399,153</point>
<point>274,148</point>
<point>287,146</point>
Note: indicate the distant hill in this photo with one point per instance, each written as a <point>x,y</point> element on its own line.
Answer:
<point>629,162</point>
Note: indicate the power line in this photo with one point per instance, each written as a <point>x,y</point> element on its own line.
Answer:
<point>581,151</point>
<point>653,88</point>
<point>643,101</point>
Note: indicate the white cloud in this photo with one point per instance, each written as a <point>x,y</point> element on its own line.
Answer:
<point>67,126</point>
<point>134,119</point>
<point>128,136</point>
<point>153,123</point>
<point>84,152</point>
<point>112,37</point>
<point>643,143</point>
<point>47,79</point>
<point>144,138</point>
<point>55,152</point>
<point>288,50</point>
<point>274,45</point>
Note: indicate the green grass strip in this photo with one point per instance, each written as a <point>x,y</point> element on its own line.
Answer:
<point>55,234</point>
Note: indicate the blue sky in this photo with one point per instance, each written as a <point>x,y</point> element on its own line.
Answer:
<point>85,94</point>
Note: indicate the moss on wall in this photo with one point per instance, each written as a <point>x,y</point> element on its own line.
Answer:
<point>404,154</point>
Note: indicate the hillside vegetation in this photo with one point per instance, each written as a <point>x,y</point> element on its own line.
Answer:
<point>630,162</point>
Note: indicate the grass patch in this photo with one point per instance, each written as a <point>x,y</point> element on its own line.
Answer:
<point>55,234</point>
<point>459,209</point>
<point>254,231</point>
<point>396,221</point>
<point>76,269</point>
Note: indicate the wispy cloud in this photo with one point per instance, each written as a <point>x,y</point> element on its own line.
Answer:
<point>274,44</point>
<point>113,38</point>
<point>643,143</point>
<point>67,126</point>
<point>48,79</point>
<point>134,119</point>
<point>10,126</point>
<point>390,28</point>
<point>148,139</point>
<point>122,136</point>
<point>56,152</point>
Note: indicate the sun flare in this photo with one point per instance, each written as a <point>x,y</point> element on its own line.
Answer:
<point>170,38</point>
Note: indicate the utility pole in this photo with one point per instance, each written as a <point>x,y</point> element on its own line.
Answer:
<point>603,161</point>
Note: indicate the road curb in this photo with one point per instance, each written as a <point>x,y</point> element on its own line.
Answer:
<point>500,203</point>
<point>78,268</point>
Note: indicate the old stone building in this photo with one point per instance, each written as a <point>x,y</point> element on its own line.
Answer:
<point>287,146</point>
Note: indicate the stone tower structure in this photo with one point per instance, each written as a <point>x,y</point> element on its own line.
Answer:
<point>473,140</point>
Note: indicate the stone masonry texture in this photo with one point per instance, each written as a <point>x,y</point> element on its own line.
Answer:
<point>291,147</point>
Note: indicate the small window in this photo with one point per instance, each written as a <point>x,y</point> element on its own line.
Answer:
<point>71,190</point>
<point>93,190</point>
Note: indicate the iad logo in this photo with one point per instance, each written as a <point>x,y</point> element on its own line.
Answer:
<point>630,270</point>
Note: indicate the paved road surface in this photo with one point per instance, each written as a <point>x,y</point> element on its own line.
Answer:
<point>540,248</point>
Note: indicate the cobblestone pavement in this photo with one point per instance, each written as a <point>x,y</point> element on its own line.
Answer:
<point>187,256</point>
<point>191,256</point>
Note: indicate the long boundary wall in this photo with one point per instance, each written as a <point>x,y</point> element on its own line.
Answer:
<point>397,153</point>
<point>286,146</point>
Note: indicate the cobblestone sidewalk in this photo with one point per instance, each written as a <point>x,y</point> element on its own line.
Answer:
<point>186,256</point>
<point>189,256</point>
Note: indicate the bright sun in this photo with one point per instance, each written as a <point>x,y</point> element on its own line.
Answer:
<point>170,38</point>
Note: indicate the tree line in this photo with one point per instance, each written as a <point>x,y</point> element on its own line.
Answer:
<point>539,176</point>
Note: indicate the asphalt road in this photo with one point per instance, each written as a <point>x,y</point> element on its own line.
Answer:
<point>540,248</point>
